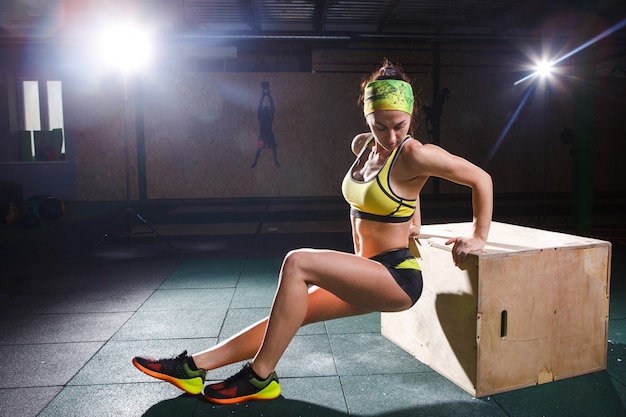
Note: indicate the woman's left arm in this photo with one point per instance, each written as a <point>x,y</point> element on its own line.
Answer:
<point>437,162</point>
<point>482,205</point>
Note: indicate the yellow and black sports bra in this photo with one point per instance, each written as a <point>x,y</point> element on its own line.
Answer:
<point>374,199</point>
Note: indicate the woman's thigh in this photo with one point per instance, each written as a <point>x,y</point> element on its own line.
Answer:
<point>361,283</point>
<point>324,305</point>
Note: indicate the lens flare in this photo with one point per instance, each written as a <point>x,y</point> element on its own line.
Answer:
<point>545,67</point>
<point>506,129</point>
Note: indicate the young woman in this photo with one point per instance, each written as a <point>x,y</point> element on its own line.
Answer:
<point>382,188</point>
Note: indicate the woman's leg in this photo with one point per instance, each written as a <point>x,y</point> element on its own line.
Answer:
<point>322,305</point>
<point>362,283</point>
<point>345,285</point>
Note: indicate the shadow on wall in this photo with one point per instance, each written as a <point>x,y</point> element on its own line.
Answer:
<point>265,114</point>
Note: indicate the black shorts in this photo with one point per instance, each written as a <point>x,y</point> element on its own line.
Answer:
<point>404,269</point>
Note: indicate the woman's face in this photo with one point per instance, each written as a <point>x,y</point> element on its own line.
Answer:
<point>389,127</point>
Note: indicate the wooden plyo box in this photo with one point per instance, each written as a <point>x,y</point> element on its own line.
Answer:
<point>531,307</point>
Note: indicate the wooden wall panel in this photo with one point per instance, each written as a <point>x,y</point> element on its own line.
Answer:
<point>202,131</point>
<point>201,128</point>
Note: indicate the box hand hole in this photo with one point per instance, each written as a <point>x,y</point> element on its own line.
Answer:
<point>503,323</point>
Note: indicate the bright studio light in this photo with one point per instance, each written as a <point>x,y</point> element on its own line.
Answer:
<point>125,47</point>
<point>543,68</point>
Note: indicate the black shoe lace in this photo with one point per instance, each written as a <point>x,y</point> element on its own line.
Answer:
<point>238,376</point>
<point>182,355</point>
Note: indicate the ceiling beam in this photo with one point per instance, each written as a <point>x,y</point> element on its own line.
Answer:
<point>388,14</point>
<point>461,6</point>
<point>322,11</point>
<point>174,16</point>
<point>254,15</point>
<point>523,12</point>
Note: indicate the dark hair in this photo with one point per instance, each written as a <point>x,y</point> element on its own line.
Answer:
<point>387,71</point>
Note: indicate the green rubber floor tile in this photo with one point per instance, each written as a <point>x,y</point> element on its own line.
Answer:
<point>370,353</point>
<point>617,331</point>
<point>112,364</point>
<point>17,304</point>
<point>251,297</point>
<point>121,400</point>
<point>49,278</point>
<point>584,396</point>
<point>307,356</point>
<point>617,303</point>
<point>616,362</point>
<point>412,394</point>
<point>617,300</point>
<point>25,402</point>
<point>260,271</point>
<point>129,275</point>
<point>268,279</point>
<point>175,324</point>
<point>367,323</point>
<point>102,301</point>
<point>238,319</point>
<point>205,274</point>
<point>188,299</point>
<point>219,267</point>
<point>280,407</point>
<point>313,328</point>
<point>315,393</point>
<point>11,324</point>
<point>25,366</point>
<point>62,328</point>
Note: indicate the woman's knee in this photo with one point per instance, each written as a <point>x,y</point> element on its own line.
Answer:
<point>297,261</point>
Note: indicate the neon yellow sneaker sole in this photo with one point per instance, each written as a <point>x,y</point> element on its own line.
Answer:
<point>243,386</point>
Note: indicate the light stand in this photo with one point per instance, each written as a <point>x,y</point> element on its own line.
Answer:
<point>129,212</point>
<point>543,69</point>
<point>542,215</point>
<point>545,155</point>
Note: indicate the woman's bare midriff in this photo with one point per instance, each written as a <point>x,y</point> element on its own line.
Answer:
<point>372,238</point>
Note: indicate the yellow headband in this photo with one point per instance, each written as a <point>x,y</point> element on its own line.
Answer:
<point>388,95</point>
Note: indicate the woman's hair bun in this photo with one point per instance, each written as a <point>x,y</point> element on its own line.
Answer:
<point>388,72</point>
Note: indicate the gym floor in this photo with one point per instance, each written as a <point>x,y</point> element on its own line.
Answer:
<point>77,302</point>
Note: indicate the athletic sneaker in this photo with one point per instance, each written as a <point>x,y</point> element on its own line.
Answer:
<point>245,385</point>
<point>180,371</point>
